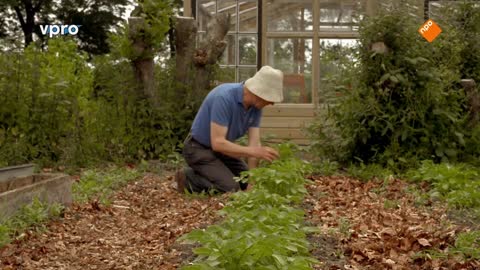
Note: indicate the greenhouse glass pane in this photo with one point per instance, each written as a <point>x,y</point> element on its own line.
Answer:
<point>229,7</point>
<point>247,50</point>
<point>337,56</point>
<point>225,75</point>
<point>229,55</point>
<point>341,15</point>
<point>205,8</point>
<point>246,72</point>
<point>289,15</point>
<point>248,15</point>
<point>294,57</point>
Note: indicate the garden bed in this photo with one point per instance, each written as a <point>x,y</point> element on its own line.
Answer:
<point>20,191</point>
<point>359,223</point>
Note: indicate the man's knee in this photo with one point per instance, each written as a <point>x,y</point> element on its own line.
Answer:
<point>228,186</point>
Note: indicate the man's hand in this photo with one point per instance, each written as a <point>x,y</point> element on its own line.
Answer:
<point>265,152</point>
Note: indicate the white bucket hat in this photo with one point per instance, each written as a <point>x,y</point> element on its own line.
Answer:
<point>267,84</point>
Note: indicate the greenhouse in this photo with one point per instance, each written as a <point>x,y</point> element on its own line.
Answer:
<point>288,34</point>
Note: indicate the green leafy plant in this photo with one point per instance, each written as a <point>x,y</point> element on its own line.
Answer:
<point>368,172</point>
<point>262,229</point>
<point>31,216</point>
<point>468,245</point>
<point>99,184</point>
<point>458,184</point>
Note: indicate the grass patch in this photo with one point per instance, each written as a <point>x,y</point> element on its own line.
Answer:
<point>467,246</point>
<point>93,185</point>
<point>368,172</point>
<point>100,184</point>
<point>31,216</point>
<point>457,184</point>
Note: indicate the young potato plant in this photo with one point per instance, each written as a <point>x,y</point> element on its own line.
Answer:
<point>262,229</point>
<point>242,243</point>
<point>284,177</point>
<point>246,201</point>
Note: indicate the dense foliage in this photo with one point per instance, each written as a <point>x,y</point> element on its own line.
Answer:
<point>60,105</point>
<point>403,102</point>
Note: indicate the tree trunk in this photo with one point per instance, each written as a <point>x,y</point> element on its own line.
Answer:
<point>195,66</point>
<point>143,60</point>
<point>28,22</point>
<point>186,35</point>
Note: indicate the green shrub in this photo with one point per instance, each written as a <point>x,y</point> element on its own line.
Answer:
<point>467,244</point>
<point>401,105</point>
<point>43,116</point>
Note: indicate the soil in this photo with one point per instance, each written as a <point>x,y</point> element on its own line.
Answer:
<point>137,231</point>
<point>364,225</point>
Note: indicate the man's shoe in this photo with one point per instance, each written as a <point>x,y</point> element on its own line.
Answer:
<point>181,180</point>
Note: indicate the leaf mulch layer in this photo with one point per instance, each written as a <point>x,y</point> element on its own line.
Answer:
<point>376,225</point>
<point>137,231</point>
<point>364,226</point>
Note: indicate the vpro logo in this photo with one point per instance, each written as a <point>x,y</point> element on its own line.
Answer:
<point>59,29</point>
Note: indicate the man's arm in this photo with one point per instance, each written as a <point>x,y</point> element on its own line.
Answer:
<point>253,140</point>
<point>218,134</point>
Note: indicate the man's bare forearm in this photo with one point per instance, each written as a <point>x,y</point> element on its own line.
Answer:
<point>232,149</point>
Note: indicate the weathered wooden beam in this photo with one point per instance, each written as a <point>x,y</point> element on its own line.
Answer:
<point>142,59</point>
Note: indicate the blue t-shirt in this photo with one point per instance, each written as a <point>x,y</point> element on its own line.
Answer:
<point>224,106</point>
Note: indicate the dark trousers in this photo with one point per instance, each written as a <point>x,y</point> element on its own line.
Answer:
<point>210,170</point>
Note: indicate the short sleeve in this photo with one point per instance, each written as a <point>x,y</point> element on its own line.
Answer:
<point>220,112</point>
<point>257,117</point>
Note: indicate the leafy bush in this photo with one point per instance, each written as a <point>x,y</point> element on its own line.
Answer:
<point>66,110</point>
<point>405,104</point>
<point>44,112</point>
<point>458,184</point>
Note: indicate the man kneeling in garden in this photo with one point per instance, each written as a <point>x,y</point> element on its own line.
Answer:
<point>226,114</point>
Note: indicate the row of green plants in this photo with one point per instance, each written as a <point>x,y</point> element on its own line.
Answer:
<point>94,185</point>
<point>457,184</point>
<point>262,228</point>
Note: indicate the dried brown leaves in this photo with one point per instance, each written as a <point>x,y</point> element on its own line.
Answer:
<point>379,226</point>
<point>138,231</point>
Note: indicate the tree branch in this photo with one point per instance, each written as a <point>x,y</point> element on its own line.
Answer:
<point>37,7</point>
<point>20,16</point>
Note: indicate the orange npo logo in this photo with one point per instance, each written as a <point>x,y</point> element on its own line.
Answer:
<point>429,30</point>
